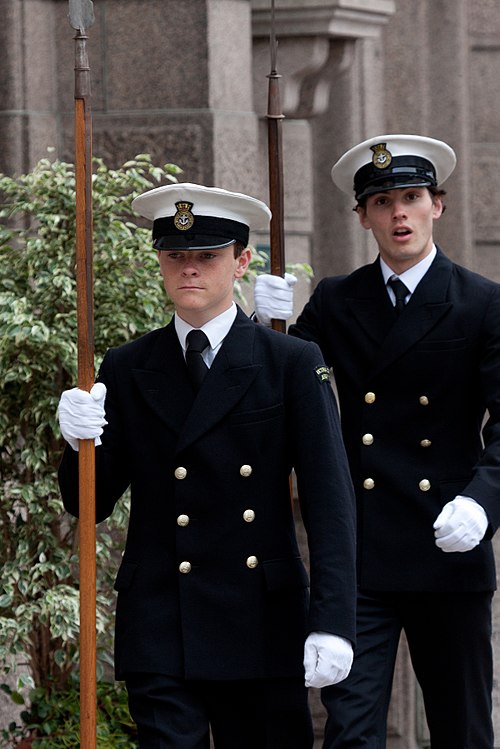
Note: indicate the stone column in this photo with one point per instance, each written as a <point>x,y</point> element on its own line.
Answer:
<point>484,152</point>
<point>28,102</point>
<point>430,95</point>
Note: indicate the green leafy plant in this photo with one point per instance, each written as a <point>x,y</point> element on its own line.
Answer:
<point>51,718</point>
<point>39,598</point>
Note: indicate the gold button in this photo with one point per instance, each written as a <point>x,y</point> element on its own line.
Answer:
<point>369,484</point>
<point>245,470</point>
<point>423,400</point>
<point>180,473</point>
<point>370,398</point>
<point>252,562</point>
<point>183,520</point>
<point>367,439</point>
<point>425,443</point>
<point>185,567</point>
<point>249,516</point>
<point>424,485</point>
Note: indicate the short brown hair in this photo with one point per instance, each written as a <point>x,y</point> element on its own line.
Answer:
<point>238,248</point>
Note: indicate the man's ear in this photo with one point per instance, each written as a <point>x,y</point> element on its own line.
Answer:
<point>363,218</point>
<point>438,206</point>
<point>243,261</point>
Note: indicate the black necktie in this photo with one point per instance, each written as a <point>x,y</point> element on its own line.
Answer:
<point>196,341</point>
<point>400,291</point>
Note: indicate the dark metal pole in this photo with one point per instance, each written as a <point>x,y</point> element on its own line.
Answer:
<point>275,153</point>
<point>81,17</point>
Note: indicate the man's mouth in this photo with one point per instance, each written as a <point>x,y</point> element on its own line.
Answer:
<point>401,231</point>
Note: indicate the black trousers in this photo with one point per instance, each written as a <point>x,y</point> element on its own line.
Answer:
<point>256,714</point>
<point>449,638</point>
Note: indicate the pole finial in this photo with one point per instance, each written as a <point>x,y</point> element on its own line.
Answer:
<point>81,14</point>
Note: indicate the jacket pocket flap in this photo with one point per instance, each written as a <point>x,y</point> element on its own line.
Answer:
<point>285,574</point>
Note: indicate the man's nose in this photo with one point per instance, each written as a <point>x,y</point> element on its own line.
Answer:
<point>190,268</point>
<point>399,210</point>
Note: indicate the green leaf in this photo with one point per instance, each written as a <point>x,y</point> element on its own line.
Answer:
<point>17,698</point>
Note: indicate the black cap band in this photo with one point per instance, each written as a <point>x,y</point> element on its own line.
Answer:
<point>403,171</point>
<point>207,232</point>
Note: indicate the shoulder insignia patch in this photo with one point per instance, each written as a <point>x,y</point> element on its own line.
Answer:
<point>322,373</point>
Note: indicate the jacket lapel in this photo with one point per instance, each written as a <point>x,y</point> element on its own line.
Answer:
<point>426,307</point>
<point>163,381</point>
<point>165,387</point>
<point>227,381</point>
<point>370,305</point>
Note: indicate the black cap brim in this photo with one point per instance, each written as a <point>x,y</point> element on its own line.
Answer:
<point>208,233</point>
<point>404,171</point>
<point>196,242</point>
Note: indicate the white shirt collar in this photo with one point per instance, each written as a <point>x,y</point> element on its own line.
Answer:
<point>411,277</point>
<point>216,330</point>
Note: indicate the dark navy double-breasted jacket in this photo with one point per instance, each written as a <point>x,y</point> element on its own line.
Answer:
<point>414,392</point>
<point>212,585</point>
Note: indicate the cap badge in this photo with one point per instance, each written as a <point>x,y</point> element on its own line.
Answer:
<point>381,156</point>
<point>183,219</point>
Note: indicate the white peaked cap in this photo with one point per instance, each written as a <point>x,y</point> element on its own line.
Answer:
<point>387,162</point>
<point>188,216</point>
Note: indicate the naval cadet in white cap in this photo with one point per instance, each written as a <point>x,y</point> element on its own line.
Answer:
<point>218,627</point>
<point>414,344</point>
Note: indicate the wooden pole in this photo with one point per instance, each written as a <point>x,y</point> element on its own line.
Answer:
<point>81,16</point>
<point>275,118</point>
<point>275,157</point>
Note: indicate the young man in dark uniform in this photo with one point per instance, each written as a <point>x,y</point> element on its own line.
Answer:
<point>215,625</point>
<point>414,343</point>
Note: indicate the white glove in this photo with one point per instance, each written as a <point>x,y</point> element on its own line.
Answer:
<point>327,659</point>
<point>273,296</point>
<point>461,525</point>
<point>81,414</point>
